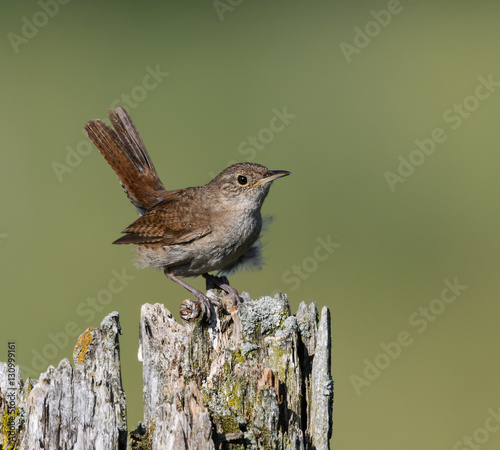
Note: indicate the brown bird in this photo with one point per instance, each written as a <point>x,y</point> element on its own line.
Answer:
<point>191,231</point>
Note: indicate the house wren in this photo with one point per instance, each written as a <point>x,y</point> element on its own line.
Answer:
<point>191,231</point>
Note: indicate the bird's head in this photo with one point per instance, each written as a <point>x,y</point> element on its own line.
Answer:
<point>246,184</point>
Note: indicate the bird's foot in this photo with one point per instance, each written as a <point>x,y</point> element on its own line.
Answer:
<point>201,307</point>
<point>223,283</point>
<point>192,310</point>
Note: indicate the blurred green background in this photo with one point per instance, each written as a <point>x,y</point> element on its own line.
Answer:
<point>361,93</point>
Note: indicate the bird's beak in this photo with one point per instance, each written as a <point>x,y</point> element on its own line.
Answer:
<point>273,175</point>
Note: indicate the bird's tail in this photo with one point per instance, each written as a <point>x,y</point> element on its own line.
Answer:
<point>123,149</point>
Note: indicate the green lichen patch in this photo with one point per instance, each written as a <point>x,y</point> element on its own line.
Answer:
<point>263,316</point>
<point>229,424</point>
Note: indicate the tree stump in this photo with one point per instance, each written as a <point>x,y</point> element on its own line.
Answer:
<point>81,407</point>
<point>254,377</point>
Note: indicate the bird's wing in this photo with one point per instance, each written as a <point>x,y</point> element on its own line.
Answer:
<point>176,220</point>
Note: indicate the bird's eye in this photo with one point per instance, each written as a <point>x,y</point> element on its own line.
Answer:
<point>243,180</point>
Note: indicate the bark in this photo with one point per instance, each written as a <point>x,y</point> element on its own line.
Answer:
<point>257,377</point>
<point>80,407</point>
<point>254,377</point>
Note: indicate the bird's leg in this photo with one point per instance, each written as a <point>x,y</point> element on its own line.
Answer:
<point>200,297</point>
<point>223,283</point>
<point>214,282</point>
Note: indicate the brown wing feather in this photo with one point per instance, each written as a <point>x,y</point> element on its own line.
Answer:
<point>173,221</point>
<point>124,150</point>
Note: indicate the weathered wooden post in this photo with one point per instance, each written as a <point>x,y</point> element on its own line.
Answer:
<point>80,407</point>
<point>255,377</point>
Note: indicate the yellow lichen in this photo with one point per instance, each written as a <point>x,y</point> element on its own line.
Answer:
<point>7,421</point>
<point>237,357</point>
<point>82,346</point>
